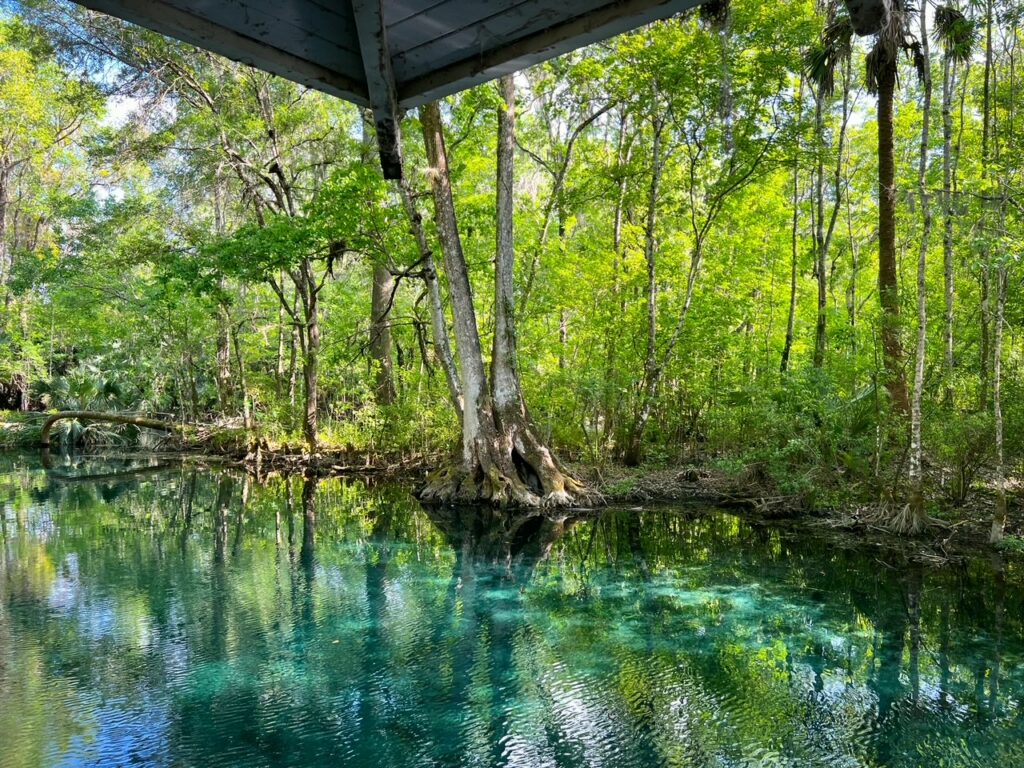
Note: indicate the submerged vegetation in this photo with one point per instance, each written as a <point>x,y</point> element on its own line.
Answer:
<point>744,238</point>
<point>181,616</point>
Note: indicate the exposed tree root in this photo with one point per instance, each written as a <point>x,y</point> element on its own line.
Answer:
<point>899,518</point>
<point>508,472</point>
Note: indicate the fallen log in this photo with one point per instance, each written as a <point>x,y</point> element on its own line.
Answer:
<point>108,418</point>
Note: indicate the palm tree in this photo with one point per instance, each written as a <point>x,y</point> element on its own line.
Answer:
<point>889,23</point>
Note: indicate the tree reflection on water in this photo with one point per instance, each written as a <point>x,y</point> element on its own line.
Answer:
<point>178,616</point>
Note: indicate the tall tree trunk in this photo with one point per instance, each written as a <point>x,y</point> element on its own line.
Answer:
<point>279,369</point>
<point>852,306</point>
<point>918,518</point>
<point>888,285</point>
<point>649,384</point>
<point>1002,278</point>
<point>380,333</point>
<point>473,380</point>
<point>725,89</point>
<point>189,372</point>
<point>947,219</point>
<point>5,251</point>
<point>508,397</point>
<point>532,459</point>
<point>623,156</point>
<point>787,348</point>
<point>310,338</point>
<point>502,460</point>
<point>795,246</point>
<point>224,393</point>
<point>820,271</point>
<point>243,384</point>
<point>824,233</point>
<point>999,519</point>
<point>559,168</point>
<point>986,128</point>
<point>986,267</point>
<point>381,300</point>
<point>25,399</point>
<point>442,344</point>
<point>985,346</point>
<point>295,345</point>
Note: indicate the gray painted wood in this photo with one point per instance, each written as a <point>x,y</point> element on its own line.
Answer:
<point>442,40</point>
<point>397,11</point>
<point>380,82</point>
<point>447,17</point>
<point>190,28</point>
<point>479,66</point>
<point>304,30</point>
<point>390,54</point>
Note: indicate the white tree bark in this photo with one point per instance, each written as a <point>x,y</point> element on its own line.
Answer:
<point>917,513</point>
<point>999,519</point>
<point>471,367</point>
<point>503,462</point>
<point>439,325</point>
<point>947,215</point>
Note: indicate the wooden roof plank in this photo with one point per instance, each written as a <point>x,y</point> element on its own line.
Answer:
<point>449,45</point>
<point>310,33</point>
<point>450,17</point>
<point>482,64</point>
<point>189,28</point>
<point>397,11</point>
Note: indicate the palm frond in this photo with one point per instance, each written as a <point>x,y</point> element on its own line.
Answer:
<point>917,56</point>
<point>893,39</point>
<point>834,48</point>
<point>874,63</point>
<point>957,34</point>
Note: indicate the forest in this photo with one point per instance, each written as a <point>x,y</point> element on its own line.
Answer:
<point>745,239</point>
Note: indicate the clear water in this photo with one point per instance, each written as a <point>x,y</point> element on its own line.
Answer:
<point>174,617</point>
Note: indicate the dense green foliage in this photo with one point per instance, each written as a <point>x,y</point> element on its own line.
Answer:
<point>176,226</point>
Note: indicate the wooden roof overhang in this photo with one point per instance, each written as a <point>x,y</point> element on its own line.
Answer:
<point>390,55</point>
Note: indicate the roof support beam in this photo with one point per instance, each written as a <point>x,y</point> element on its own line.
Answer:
<point>599,23</point>
<point>380,82</point>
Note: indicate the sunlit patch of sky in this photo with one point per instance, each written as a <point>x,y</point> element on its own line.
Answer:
<point>119,110</point>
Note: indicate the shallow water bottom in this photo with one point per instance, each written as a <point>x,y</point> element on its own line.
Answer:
<point>166,616</point>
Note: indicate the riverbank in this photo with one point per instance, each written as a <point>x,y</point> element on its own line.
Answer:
<point>954,529</point>
<point>955,526</point>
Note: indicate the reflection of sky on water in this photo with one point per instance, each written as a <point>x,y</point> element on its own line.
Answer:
<point>126,735</point>
<point>407,640</point>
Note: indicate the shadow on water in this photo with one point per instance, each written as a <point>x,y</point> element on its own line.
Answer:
<point>176,616</point>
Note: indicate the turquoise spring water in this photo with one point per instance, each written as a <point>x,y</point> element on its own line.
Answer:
<point>169,616</point>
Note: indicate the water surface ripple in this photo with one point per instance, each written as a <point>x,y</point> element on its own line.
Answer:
<point>182,617</point>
